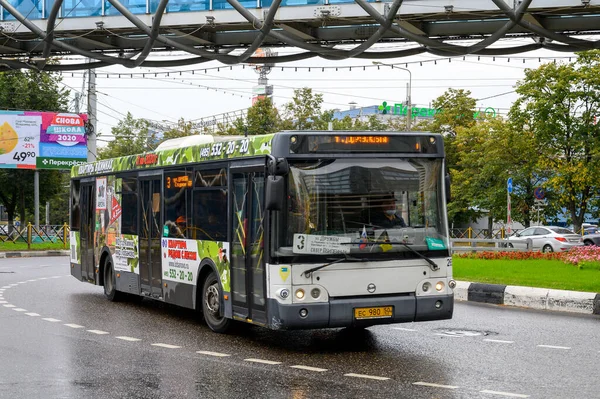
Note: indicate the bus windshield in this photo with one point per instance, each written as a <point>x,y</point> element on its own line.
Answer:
<point>362,206</point>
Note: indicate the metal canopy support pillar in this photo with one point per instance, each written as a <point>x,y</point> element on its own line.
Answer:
<point>36,196</point>
<point>92,104</point>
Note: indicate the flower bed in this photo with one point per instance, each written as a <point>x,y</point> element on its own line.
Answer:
<point>583,257</point>
<point>512,255</point>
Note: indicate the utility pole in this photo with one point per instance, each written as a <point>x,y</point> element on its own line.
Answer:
<point>92,103</point>
<point>408,92</point>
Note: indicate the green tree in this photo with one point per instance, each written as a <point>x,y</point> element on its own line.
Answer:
<point>558,102</point>
<point>457,108</point>
<point>262,118</point>
<point>304,111</point>
<point>488,153</point>
<point>131,136</point>
<point>39,91</point>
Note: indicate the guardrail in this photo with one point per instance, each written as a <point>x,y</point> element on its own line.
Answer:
<point>32,235</point>
<point>488,244</point>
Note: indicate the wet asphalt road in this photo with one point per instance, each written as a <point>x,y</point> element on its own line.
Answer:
<point>59,338</point>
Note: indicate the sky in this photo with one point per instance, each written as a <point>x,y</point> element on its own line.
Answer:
<point>207,93</point>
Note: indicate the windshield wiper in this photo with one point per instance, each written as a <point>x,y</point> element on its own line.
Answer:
<point>432,264</point>
<point>308,272</point>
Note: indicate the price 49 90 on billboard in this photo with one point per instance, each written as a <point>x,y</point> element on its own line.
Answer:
<point>42,140</point>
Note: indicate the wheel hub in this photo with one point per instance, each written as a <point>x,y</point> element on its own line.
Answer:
<point>212,299</point>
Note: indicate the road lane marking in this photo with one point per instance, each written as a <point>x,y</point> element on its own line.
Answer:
<point>301,367</point>
<point>3,302</point>
<point>430,384</point>
<point>507,394</point>
<point>554,347</point>
<point>449,335</point>
<point>30,280</point>
<point>216,354</point>
<point>6,287</point>
<point>9,306</point>
<point>499,341</point>
<point>370,377</point>
<point>403,329</point>
<point>130,339</point>
<point>43,278</point>
<point>56,277</point>
<point>73,325</point>
<point>51,320</point>
<point>168,346</point>
<point>20,310</point>
<point>262,361</point>
<point>99,332</point>
<point>32,314</point>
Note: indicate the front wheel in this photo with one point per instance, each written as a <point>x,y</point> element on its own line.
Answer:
<point>211,305</point>
<point>547,248</point>
<point>110,286</point>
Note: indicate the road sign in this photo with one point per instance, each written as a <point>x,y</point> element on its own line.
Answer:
<point>539,193</point>
<point>509,187</point>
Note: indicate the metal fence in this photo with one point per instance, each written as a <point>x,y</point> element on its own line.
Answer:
<point>35,235</point>
<point>488,244</point>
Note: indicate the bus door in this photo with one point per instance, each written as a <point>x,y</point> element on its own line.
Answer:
<point>247,257</point>
<point>88,229</point>
<point>150,236</point>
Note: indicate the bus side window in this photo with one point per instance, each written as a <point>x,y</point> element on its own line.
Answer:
<point>129,206</point>
<point>75,206</point>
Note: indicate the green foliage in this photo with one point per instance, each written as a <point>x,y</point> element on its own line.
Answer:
<point>132,136</point>
<point>304,111</point>
<point>38,91</point>
<point>262,118</point>
<point>557,102</point>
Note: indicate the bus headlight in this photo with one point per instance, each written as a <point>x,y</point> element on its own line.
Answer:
<point>439,286</point>
<point>284,293</point>
<point>315,293</point>
<point>426,286</point>
<point>452,284</point>
<point>300,293</point>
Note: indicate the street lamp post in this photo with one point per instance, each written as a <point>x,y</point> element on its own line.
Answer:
<point>408,92</point>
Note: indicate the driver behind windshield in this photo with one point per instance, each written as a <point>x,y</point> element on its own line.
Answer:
<point>386,216</point>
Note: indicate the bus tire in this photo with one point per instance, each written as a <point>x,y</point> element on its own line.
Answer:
<point>110,285</point>
<point>212,300</point>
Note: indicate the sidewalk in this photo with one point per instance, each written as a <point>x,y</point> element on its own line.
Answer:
<point>509,295</point>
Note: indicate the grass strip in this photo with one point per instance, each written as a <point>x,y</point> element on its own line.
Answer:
<point>541,273</point>
<point>22,246</point>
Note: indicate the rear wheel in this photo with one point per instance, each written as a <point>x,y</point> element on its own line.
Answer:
<point>588,243</point>
<point>510,245</point>
<point>110,287</point>
<point>211,305</point>
<point>547,248</point>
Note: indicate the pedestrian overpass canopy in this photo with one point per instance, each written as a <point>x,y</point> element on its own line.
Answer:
<point>113,32</point>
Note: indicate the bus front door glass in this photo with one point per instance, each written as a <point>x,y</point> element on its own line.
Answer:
<point>247,261</point>
<point>88,227</point>
<point>150,238</point>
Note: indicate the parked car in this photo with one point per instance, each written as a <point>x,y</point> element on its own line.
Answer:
<point>546,239</point>
<point>591,239</point>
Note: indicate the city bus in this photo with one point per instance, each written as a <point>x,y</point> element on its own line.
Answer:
<point>291,230</point>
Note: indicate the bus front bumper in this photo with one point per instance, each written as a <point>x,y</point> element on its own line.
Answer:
<point>339,312</point>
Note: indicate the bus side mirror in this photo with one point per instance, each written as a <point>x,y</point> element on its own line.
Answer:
<point>278,166</point>
<point>275,193</point>
<point>447,180</point>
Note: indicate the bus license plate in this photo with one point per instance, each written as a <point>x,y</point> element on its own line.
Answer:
<point>380,312</point>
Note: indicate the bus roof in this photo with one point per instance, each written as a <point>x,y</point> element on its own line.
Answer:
<point>197,149</point>
<point>235,147</point>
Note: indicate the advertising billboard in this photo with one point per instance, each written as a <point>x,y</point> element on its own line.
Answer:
<point>42,140</point>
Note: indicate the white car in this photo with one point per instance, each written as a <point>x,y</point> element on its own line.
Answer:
<point>546,239</point>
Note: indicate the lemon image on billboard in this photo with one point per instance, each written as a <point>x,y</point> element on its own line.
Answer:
<point>8,138</point>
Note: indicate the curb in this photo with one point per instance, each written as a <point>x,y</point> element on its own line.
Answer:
<point>529,297</point>
<point>32,254</point>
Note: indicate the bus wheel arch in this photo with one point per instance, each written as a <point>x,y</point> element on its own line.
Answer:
<point>209,297</point>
